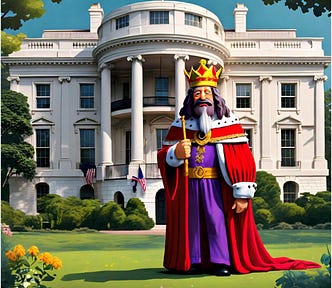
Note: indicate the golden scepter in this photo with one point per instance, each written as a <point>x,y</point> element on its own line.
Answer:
<point>184,138</point>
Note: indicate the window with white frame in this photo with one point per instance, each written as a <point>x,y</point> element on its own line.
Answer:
<point>161,134</point>
<point>159,17</point>
<point>122,22</point>
<point>87,146</point>
<point>43,147</point>
<point>193,20</point>
<point>87,95</point>
<point>243,95</point>
<point>288,149</point>
<point>43,96</point>
<point>288,95</point>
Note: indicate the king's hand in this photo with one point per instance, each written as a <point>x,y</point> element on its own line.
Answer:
<point>182,149</point>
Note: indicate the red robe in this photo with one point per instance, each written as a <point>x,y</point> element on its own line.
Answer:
<point>247,251</point>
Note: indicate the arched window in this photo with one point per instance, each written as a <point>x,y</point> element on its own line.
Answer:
<point>118,198</point>
<point>160,207</point>
<point>87,192</point>
<point>290,191</point>
<point>42,189</point>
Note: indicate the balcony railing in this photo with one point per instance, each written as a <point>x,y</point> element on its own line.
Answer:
<point>116,171</point>
<point>121,171</point>
<point>147,102</point>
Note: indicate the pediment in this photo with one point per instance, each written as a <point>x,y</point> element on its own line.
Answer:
<point>289,120</point>
<point>42,122</point>
<point>245,120</point>
<point>86,121</point>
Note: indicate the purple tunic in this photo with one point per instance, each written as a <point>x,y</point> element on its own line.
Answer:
<point>205,194</point>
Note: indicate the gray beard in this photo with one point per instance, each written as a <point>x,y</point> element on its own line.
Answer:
<point>204,121</point>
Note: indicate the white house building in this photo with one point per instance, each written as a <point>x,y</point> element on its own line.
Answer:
<point>105,97</point>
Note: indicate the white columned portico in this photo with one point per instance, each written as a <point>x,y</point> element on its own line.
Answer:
<point>137,140</point>
<point>319,160</point>
<point>266,160</point>
<point>105,121</point>
<point>64,162</point>
<point>180,82</point>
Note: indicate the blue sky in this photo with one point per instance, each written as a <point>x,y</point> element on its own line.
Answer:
<point>73,14</point>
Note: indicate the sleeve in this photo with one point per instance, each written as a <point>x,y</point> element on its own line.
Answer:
<point>240,169</point>
<point>171,159</point>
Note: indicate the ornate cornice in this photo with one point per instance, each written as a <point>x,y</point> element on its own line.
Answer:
<point>279,61</point>
<point>29,61</point>
<point>159,39</point>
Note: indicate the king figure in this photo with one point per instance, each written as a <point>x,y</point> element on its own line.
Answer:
<point>209,178</point>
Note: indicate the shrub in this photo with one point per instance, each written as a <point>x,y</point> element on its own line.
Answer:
<point>288,212</point>
<point>110,217</point>
<point>325,226</point>
<point>325,195</point>
<point>282,226</point>
<point>34,222</point>
<point>300,226</point>
<point>259,203</point>
<point>297,279</point>
<point>134,222</point>
<point>264,217</point>
<point>317,212</point>
<point>135,207</point>
<point>13,218</point>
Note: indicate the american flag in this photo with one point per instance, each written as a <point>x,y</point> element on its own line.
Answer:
<point>140,179</point>
<point>90,173</point>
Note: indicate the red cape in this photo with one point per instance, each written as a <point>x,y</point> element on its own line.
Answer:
<point>247,250</point>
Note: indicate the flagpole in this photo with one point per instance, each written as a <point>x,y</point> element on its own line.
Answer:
<point>184,138</point>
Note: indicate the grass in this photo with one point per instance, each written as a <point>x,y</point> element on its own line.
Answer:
<point>135,261</point>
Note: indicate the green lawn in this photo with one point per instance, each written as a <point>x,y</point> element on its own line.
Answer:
<point>127,261</point>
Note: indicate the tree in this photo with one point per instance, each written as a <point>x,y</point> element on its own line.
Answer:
<point>268,188</point>
<point>16,154</point>
<point>318,7</point>
<point>13,14</point>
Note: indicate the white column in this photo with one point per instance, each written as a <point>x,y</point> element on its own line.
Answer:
<point>266,129</point>
<point>137,140</point>
<point>180,82</point>
<point>14,83</point>
<point>105,117</point>
<point>64,161</point>
<point>319,160</point>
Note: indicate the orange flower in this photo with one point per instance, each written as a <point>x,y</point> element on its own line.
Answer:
<point>33,251</point>
<point>19,250</point>
<point>57,263</point>
<point>11,255</point>
<point>46,257</point>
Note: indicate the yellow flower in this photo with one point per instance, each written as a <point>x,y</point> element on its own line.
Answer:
<point>11,255</point>
<point>56,263</point>
<point>33,251</point>
<point>19,250</point>
<point>46,257</point>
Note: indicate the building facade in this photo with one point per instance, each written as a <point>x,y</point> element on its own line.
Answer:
<point>104,98</point>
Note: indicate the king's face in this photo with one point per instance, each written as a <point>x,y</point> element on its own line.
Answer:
<point>203,97</point>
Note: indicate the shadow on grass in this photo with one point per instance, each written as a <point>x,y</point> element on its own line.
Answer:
<point>118,275</point>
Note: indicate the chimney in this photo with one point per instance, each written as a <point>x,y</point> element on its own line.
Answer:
<point>96,16</point>
<point>240,15</point>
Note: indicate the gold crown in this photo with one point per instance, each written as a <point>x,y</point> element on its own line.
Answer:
<point>203,76</point>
